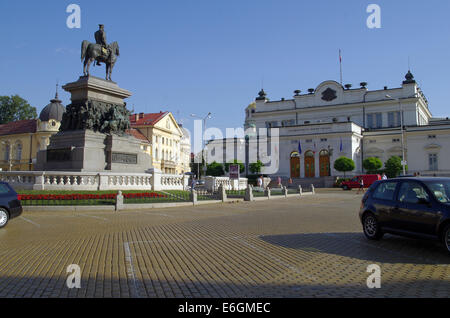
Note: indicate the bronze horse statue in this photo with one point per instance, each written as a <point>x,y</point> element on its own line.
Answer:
<point>91,52</point>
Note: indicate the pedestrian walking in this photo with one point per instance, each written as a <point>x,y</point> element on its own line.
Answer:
<point>260,182</point>
<point>361,185</point>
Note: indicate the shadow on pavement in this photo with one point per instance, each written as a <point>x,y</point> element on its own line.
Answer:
<point>391,249</point>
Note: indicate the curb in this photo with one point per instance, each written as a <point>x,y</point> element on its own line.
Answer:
<point>145,206</point>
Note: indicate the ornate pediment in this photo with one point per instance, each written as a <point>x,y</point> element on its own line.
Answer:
<point>374,151</point>
<point>432,147</point>
<point>395,150</point>
<point>329,95</point>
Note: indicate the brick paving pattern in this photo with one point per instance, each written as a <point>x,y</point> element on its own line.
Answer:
<point>298,247</point>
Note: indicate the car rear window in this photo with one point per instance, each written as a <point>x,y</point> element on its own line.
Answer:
<point>385,191</point>
<point>4,189</point>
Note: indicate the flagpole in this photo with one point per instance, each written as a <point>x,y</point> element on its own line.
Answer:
<point>340,63</point>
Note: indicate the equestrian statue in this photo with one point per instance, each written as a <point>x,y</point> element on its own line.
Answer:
<point>100,52</point>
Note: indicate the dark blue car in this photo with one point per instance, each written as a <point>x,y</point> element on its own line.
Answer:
<point>10,206</point>
<point>415,207</point>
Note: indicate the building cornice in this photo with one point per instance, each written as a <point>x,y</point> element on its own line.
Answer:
<point>303,109</point>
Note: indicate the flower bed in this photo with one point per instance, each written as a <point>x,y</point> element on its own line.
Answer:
<point>87,199</point>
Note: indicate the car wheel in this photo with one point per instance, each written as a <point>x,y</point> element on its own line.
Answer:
<point>446,237</point>
<point>371,227</point>
<point>4,217</point>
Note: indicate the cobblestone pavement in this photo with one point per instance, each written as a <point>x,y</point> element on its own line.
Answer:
<point>297,247</point>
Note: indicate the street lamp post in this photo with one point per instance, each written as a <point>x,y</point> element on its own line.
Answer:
<point>402,132</point>
<point>203,141</point>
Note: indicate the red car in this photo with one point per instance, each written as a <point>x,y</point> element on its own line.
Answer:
<point>368,179</point>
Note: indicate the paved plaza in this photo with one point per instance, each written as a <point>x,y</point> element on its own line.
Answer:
<point>298,247</point>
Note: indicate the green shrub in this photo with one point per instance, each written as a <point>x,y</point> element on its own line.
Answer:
<point>372,165</point>
<point>344,164</point>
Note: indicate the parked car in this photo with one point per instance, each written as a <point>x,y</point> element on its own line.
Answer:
<point>368,179</point>
<point>415,207</point>
<point>10,206</point>
<point>200,182</point>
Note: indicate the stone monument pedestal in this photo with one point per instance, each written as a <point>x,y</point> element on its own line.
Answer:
<point>92,136</point>
<point>88,151</point>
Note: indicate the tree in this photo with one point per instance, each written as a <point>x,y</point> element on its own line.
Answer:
<point>235,162</point>
<point>372,165</point>
<point>215,169</point>
<point>15,108</point>
<point>256,167</point>
<point>393,167</point>
<point>344,164</point>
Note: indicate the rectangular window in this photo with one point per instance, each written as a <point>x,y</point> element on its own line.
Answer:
<point>287,123</point>
<point>370,123</point>
<point>375,120</point>
<point>271,124</point>
<point>433,162</point>
<point>394,119</point>
<point>379,123</point>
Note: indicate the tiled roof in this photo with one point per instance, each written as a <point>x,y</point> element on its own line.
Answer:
<point>137,134</point>
<point>18,127</point>
<point>146,119</point>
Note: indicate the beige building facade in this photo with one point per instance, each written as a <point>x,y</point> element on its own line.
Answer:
<point>170,144</point>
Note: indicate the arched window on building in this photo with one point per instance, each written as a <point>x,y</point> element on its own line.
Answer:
<point>295,165</point>
<point>309,165</point>
<point>7,148</point>
<point>324,163</point>
<point>18,152</point>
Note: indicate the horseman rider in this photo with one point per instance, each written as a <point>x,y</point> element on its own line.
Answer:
<point>100,38</point>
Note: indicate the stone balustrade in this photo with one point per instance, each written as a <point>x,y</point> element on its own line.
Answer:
<point>213,183</point>
<point>91,181</point>
<point>174,182</point>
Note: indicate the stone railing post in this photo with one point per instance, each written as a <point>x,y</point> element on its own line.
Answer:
<point>119,201</point>
<point>300,190</point>
<point>193,197</point>
<point>185,182</point>
<point>39,182</point>
<point>156,180</point>
<point>222,193</point>
<point>285,192</point>
<point>210,183</point>
<point>313,190</point>
<point>248,193</point>
<point>103,182</point>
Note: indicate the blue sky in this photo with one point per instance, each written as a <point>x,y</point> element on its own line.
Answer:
<point>198,56</point>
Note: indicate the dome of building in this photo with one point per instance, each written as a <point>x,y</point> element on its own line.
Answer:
<point>54,110</point>
<point>186,135</point>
